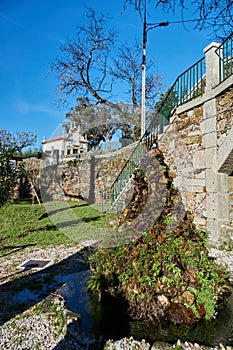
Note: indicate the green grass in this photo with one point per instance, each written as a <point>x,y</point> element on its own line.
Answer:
<point>24,224</point>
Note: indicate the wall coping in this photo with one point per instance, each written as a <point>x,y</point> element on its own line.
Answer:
<point>110,153</point>
<point>211,46</point>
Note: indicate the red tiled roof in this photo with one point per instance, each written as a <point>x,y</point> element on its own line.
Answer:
<point>56,139</point>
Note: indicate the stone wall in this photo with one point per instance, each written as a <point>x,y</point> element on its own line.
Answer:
<point>198,146</point>
<point>24,188</point>
<point>90,178</point>
<point>224,113</point>
<point>183,150</point>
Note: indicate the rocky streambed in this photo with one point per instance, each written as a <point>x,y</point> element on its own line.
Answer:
<point>46,322</point>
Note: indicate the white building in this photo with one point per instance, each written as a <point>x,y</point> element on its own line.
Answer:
<point>67,147</point>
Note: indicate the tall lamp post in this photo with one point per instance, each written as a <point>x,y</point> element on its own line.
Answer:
<point>146,28</point>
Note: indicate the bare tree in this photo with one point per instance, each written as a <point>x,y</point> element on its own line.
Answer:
<point>87,72</point>
<point>86,69</point>
<point>214,14</point>
<point>127,67</point>
<point>83,69</point>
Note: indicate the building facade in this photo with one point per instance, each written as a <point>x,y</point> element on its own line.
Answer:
<point>67,147</point>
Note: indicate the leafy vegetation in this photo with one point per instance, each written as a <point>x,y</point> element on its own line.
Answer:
<point>11,145</point>
<point>35,152</point>
<point>158,273</point>
<point>166,272</point>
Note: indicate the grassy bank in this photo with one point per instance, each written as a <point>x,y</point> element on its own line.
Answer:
<point>24,224</point>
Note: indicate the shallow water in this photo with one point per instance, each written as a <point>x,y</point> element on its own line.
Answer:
<point>25,295</point>
<point>111,320</point>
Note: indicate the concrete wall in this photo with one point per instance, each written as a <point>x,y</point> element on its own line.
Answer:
<point>198,146</point>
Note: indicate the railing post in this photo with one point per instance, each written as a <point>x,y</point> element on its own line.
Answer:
<point>212,66</point>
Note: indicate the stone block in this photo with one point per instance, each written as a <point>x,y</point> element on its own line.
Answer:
<point>212,66</point>
<point>226,236</point>
<point>214,232</point>
<point>198,111</point>
<point>194,133</point>
<point>221,125</point>
<point>230,184</point>
<point>199,221</point>
<point>199,189</point>
<point>192,183</point>
<point>227,166</point>
<point>209,140</point>
<point>190,113</point>
<point>222,206</point>
<point>171,144</point>
<point>199,160</point>
<point>225,155</point>
<point>222,183</point>
<point>190,140</point>
<point>211,205</point>
<point>211,181</point>
<point>200,198</point>
<point>199,174</point>
<point>208,125</point>
<point>210,157</point>
<point>209,110</point>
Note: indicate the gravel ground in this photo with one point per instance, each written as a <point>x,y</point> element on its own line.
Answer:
<point>32,326</point>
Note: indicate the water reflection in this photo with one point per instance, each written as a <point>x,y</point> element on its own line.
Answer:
<point>110,318</point>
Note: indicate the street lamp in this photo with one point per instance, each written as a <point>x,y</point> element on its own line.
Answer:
<point>146,28</point>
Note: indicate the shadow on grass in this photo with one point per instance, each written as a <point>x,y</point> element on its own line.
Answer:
<point>44,228</point>
<point>75,222</point>
<point>65,224</point>
<point>55,211</point>
<point>96,218</point>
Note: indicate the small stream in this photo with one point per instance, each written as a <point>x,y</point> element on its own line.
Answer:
<point>110,319</point>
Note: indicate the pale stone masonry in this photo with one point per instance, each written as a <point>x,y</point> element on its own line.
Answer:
<point>198,146</point>
<point>73,181</point>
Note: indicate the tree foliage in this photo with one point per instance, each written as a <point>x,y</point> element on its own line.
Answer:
<point>101,122</point>
<point>35,152</point>
<point>11,146</point>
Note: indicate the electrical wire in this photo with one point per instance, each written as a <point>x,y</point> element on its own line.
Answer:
<point>182,21</point>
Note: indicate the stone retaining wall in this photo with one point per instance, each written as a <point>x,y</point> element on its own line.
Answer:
<point>91,177</point>
<point>198,146</point>
<point>182,146</point>
<point>224,113</point>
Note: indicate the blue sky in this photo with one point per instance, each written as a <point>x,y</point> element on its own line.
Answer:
<point>31,32</point>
